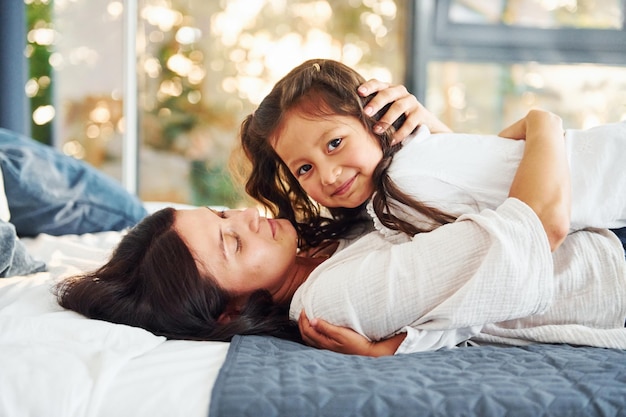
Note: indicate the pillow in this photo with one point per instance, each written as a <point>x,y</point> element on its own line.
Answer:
<point>14,259</point>
<point>49,192</point>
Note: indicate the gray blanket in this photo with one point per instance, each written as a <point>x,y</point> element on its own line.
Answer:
<point>264,376</point>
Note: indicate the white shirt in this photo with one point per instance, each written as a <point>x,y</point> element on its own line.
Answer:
<point>488,276</point>
<point>466,173</point>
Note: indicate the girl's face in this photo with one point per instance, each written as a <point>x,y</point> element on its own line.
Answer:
<point>333,158</point>
<point>241,250</point>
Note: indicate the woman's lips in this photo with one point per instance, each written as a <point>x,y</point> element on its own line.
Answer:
<point>272,225</point>
<point>344,188</point>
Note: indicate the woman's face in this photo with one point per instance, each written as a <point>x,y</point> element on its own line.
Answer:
<point>333,158</point>
<point>241,250</point>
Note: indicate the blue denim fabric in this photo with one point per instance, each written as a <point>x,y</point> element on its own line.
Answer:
<point>14,260</point>
<point>49,192</point>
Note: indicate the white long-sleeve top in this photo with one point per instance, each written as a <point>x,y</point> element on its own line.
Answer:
<point>466,173</point>
<point>488,276</point>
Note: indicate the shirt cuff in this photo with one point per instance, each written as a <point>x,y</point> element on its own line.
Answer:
<point>424,340</point>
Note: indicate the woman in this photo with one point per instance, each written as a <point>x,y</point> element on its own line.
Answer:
<point>197,274</point>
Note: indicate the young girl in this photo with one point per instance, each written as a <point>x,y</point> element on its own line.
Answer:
<point>310,143</point>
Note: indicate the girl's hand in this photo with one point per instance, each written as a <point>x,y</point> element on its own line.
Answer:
<point>516,131</point>
<point>403,103</point>
<point>323,335</point>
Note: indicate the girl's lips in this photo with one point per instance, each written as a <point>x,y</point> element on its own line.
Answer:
<point>344,187</point>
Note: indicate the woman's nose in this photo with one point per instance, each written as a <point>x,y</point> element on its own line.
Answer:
<point>251,217</point>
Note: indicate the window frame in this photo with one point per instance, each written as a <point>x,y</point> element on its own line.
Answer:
<point>433,37</point>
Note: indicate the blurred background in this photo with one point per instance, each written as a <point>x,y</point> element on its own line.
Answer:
<point>201,66</point>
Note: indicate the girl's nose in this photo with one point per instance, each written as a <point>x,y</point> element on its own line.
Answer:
<point>329,174</point>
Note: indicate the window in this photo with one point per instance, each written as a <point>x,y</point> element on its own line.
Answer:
<point>201,67</point>
<point>482,65</point>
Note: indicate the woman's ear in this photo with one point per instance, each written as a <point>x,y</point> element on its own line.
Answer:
<point>225,318</point>
<point>233,309</point>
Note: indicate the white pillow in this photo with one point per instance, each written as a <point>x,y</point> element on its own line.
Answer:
<point>5,215</point>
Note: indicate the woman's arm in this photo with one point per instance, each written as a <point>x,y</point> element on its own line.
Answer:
<point>404,103</point>
<point>542,180</point>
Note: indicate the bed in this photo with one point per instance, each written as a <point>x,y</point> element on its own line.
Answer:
<point>58,363</point>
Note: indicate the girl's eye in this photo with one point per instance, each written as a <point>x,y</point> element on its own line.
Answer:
<point>334,144</point>
<point>303,169</point>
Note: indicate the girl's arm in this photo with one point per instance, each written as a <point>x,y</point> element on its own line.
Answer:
<point>542,179</point>
<point>404,103</point>
<point>541,182</point>
<point>323,335</point>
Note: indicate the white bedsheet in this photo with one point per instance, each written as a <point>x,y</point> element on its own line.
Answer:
<point>58,363</point>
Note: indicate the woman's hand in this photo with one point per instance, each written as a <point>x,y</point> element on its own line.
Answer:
<point>403,103</point>
<point>323,335</point>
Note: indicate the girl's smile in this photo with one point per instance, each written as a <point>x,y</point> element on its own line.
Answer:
<point>344,188</point>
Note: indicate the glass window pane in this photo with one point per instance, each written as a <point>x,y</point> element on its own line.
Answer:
<point>203,65</point>
<point>207,64</point>
<point>540,13</point>
<point>485,97</point>
<point>88,77</point>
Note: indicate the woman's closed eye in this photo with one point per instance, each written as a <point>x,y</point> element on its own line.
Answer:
<point>237,242</point>
<point>234,236</point>
<point>231,242</point>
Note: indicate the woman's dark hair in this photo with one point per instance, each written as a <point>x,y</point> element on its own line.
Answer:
<point>319,88</point>
<point>152,281</point>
